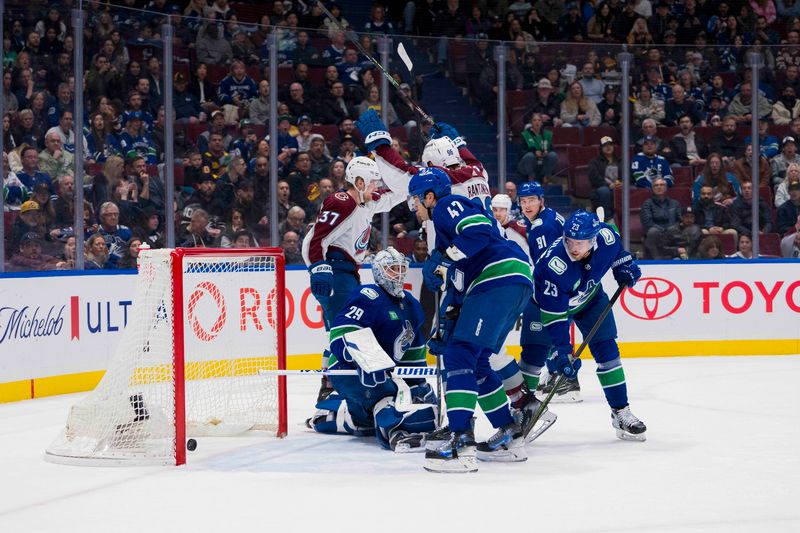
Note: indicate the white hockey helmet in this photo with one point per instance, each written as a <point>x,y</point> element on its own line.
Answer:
<point>501,201</point>
<point>389,268</point>
<point>361,167</point>
<point>441,152</point>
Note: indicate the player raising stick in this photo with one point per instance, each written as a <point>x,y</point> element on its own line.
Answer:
<point>336,244</point>
<point>480,268</point>
<point>369,404</point>
<point>567,285</point>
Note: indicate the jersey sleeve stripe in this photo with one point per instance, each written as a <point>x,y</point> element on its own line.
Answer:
<point>472,220</point>
<point>338,331</point>
<point>552,318</point>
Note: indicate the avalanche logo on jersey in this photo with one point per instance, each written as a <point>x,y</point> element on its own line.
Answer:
<point>403,341</point>
<point>363,241</point>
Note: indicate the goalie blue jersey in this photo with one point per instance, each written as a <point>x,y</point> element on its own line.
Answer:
<point>545,228</point>
<point>395,322</point>
<point>486,258</point>
<point>562,287</point>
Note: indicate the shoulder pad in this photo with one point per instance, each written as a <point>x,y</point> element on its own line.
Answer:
<point>370,293</point>
<point>557,265</point>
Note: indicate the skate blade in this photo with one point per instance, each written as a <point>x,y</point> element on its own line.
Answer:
<point>543,424</point>
<point>568,397</point>
<point>624,435</point>
<point>462,465</point>
<point>515,454</point>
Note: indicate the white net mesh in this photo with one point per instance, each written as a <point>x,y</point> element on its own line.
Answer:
<point>230,337</point>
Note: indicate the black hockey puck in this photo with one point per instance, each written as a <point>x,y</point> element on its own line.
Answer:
<point>191,445</point>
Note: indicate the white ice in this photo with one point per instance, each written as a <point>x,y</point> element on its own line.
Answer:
<point>722,454</point>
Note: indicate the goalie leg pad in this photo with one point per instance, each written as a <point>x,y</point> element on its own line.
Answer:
<point>333,416</point>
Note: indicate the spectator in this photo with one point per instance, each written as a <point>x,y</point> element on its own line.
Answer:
<point>546,103</point>
<point>681,239</point>
<point>135,142</point>
<point>768,143</point>
<point>571,25</point>
<point>217,125</point>
<point>29,255</point>
<point>98,141</point>
<point>284,203</point>
<point>592,87</point>
<point>320,161</point>
<point>600,26</point>
<point>724,184</point>
<point>54,160</point>
<point>295,221</point>
<point>27,131</point>
<point>378,22</point>
<point>30,220</point>
<point>255,213</point>
<point>657,214</point>
<point>30,174</point>
<point>679,105</point>
<point>290,243</point>
<point>577,110</point>
<point>205,197</point>
<point>781,162</point>
<point>235,92</point>
<point>114,234</point>
<point>640,34</point>
<point>197,234</point>
<point>648,166</point>
<point>650,129</point>
<point>726,141</point>
<point>742,168</point>
<point>605,176</point>
<point>187,107</point>
<point>787,108</point>
<point>710,216</point>
<point>710,248</point>
<point>790,245</point>
<point>287,144</point>
<point>258,110</point>
<point>103,79</point>
<point>97,255</point>
<point>298,104</point>
<point>64,205</point>
<point>235,227</point>
<point>789,211</point>
<point>149,229</point>
<point>610,108</point>
<point>373,101</point>
<point>212,48</point>
<point>130,255</point>
<point>782,190</point>
<point>647,107</point>
<point>740,211</point>
<point>739,107</point>
<point>539,160</point>
<point>686,147</point>
<point>66,261</point>
<point>514,212</point>
<point>216,158</point>
<point>335,108</point>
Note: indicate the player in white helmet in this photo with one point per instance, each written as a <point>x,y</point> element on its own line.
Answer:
<point>514,230</point>
<point>337,242</point>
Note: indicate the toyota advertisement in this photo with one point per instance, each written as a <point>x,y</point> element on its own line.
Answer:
<point>52,326</point>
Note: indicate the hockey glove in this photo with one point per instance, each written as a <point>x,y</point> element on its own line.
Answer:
<point>372,379</point>
<point>423,393</point>
<point>443,129</point>
<point>627,271</point>
<point>373,129</point>
<point>434,271</point>
<point>321,280</point>
<point>561,363</point>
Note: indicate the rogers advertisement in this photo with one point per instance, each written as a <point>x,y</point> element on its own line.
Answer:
<point>57,325</point>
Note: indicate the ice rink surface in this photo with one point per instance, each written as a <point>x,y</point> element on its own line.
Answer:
<point>723,454</point>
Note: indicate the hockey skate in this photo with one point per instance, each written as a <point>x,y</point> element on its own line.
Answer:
<point>505,446</point>
<point>524,417</point>
<point>455,455</point>
<point>437,437</point>
<point>405,442</point>
<point>568,392</point>
<point>627,425</point>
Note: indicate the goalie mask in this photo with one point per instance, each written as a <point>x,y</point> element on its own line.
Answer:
<point>441,152</point>
<point>389,268</point>
<point>364,168</point>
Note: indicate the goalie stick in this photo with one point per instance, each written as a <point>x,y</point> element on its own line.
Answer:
<point>399,371</point>
<point>354,39</point>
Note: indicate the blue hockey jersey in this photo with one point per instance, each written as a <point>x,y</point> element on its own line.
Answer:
<point>395,322</point>
<point>562,287</point>
<point>545,228</point>
<point>485,258</point>
<point>644,170</point>
<point>229,87</point>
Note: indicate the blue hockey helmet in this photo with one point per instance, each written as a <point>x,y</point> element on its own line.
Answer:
<point>530,188</point>
<point>429,179</point>
<point>582,226</point>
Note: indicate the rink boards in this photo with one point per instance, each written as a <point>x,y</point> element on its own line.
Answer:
<point>58,331</point>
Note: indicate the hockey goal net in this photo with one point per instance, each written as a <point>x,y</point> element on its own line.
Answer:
<point>206,325</point>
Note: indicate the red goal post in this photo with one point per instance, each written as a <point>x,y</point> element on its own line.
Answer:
<point>207,326</point>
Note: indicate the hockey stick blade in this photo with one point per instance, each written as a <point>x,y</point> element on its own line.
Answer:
<point>401,51</point>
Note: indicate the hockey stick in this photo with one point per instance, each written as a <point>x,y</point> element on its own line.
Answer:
<point>354,39</point>
<point>578,352</point>
<point>400,371</point>
<point>439,414</point>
